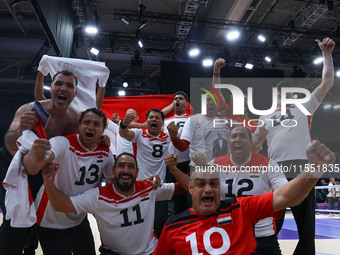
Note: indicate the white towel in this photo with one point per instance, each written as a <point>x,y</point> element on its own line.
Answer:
<point>20,208</point>
<point>18,200</point>
<point>87,73</point>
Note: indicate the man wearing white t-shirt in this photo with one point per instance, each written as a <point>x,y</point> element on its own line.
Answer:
<point>81,162</point>
<point>124,210</point>
<point>331,195</point>
<point>287,143</point>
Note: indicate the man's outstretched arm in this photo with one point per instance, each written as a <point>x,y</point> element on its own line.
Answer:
<point>59,201</point>
<point>295,191</point>
<point>327,46</point>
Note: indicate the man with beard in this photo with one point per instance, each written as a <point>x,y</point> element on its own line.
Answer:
<point>63,121</point>
<point>81,161</point>
<point>124,210</point>
<point>152,147</point>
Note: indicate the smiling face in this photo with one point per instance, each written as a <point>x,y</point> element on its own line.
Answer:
<point>125,173</point>
<point>239,144</point>
<point>205,192</point>
<point>180,104</point>
<point>154,123</point>
<point>90,129</point>
<point>63,90</point>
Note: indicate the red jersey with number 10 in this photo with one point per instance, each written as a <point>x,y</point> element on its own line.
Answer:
<point>229,230</point>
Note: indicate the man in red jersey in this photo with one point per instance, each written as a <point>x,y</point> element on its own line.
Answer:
<point>226,227</point>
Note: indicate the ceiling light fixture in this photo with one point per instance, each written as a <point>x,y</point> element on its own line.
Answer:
<point>318,60</point>
<point>233,35</point>
<point>125,21</point>
<point>142,24</point>
<point>194,52</point>
<point>268,59</point>
<point>121,93</point>
<point>92,30</point>
<point>94,51</point>
<point>207,62</point>
<point>249,66</point>
<point>261,38</point>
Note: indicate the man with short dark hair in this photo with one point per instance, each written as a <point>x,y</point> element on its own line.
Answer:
<point>176,122</point>
<point>124,210</point>
<point>152,146</point>
<point>213,226</point>
<point>81,162</point>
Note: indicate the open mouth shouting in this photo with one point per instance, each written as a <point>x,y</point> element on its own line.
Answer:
<point>62,98</point>
<point>89,134</point>
<point>207,201</point>
<point>153,125</point>
<point>238,148</point>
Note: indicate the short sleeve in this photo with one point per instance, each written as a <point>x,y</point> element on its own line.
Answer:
<point>165,192</point>
<point>138,133</point>
<point>86,202</point>
<point>257,207</point>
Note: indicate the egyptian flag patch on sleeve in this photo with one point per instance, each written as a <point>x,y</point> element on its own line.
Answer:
<point>224,218</point>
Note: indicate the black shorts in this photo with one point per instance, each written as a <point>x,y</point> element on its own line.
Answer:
<point>78,240</point>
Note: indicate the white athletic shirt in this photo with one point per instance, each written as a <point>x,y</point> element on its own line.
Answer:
<point>79,170</point>
<point>125,223</point>
<point>124,145</point>
<point>329,194</point>
<point>199,130</point>
<point>87,73</point>
<point>151,152</point>
<point>289,143</point>
<point>112,131</point>
<point>242,181</point>
<point>179,121</point>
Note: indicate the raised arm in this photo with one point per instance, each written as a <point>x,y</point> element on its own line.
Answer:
<point>39,87</point>
<point>182,178</point>
<point>24,119</point>
<point>295,191</point>
<point>167,109</point>
<point>219,63</point>
<point>124,130</point>
<point>327,46</point>
<point>100,97</point>
<point>39,155</point>
<point>59,201</point>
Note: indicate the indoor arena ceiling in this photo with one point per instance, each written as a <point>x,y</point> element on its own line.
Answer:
<point>168,28</point>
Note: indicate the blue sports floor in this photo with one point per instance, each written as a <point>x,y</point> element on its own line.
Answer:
<point>327,235</point>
